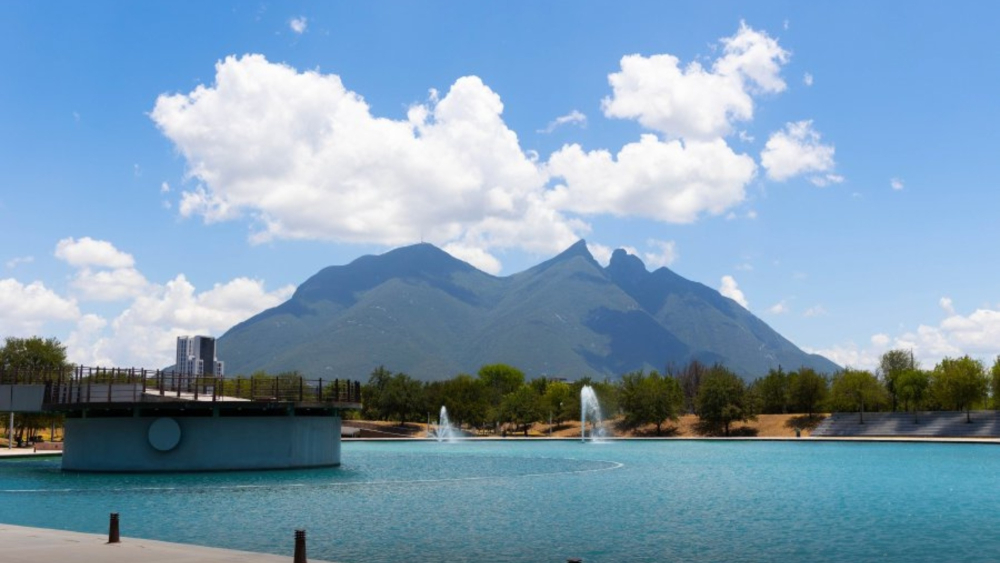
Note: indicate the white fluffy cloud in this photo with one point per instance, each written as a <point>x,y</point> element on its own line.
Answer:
<point>976,334</point>
<point>27,307</point>
<point>693,102</point>
<point>729,288</point>
<point>145,333</point>
<point>301,156</point>
<point>669,181</point>
<point>104,273</point>
<point>797,150</point>
<point>307,159</point>
<point>663,253</point>
<point>109,285</point>
<point>896,184</point>
<point>89,252</point>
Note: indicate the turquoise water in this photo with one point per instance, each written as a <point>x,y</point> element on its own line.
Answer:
<point>547,501</point>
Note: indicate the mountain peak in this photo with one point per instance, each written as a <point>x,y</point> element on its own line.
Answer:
<point>626,268</point>
<point>578,248</point>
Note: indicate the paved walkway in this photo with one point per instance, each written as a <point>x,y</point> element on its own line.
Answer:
<point>26,452</point>
<point>36,545</point>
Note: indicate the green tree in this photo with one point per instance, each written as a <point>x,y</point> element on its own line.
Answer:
<point>911,387</point>
<point>891,366</point>
<point>807,390</point>
<point>499,380</point>
<point>649,399</point>
<point>403,398</point>
<point>374,398</point>
<point>466,399</point>
<point>33,355</point>
<point>724,398</point>
<point>523,407</point>
<point>690,377</point>
<point>773,391</point>
<point>853,390</point>
<point>557,400</point>
<point>995,383</point>
<point>960,383</point>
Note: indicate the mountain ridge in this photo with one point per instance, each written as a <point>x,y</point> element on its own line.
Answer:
<point>419,310</point>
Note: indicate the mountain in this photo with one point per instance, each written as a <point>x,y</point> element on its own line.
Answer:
<point>419,310</point>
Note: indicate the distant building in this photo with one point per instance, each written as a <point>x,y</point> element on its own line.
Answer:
<point>196,357</point>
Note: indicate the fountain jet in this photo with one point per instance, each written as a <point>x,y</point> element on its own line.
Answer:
<point>590,408</point>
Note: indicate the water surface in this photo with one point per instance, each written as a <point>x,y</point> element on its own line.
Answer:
<point>547,501</point>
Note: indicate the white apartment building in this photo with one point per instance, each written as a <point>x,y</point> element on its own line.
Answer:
<point>196,357</point>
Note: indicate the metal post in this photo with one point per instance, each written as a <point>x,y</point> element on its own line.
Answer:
<point>113,529</point>
<point>300,546</point>
<point>10,435</point>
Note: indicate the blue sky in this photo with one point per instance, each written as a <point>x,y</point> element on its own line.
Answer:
<point>173,168</point>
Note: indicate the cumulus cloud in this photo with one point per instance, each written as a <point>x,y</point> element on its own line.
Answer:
<point>693,102</point>
<point>27,307</point>
<point>109,285</point>
<point>301,156</point>
<point>779,308</point>
<point>896,184</point>
<point>306,158</point>
<point>600,252</point>
<point>797,150</point>
<point>669,181</point>
<point>729,288</point>
<point>976,334</point>
<point>663,253</point>
<point>572,118</point>
<point>144,334</point>
<point>298,25</point>
<point>104,273</point>
<point>807,79</point>
<point>89,252</point>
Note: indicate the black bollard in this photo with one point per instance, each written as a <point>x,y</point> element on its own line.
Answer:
<point>113,529</point>
<point>300,546</point>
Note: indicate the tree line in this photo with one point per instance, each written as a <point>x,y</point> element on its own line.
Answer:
<point>499,397</point>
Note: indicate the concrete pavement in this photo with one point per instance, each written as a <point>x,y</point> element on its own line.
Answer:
<point>19,544</point>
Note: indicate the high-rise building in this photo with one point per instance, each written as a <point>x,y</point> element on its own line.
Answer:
<point>196,357</point>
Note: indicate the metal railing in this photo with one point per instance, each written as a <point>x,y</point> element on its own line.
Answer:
<point>120,385</point>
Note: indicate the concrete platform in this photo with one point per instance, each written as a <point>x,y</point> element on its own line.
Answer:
<point>19,544</point>
<point>27,452</point>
